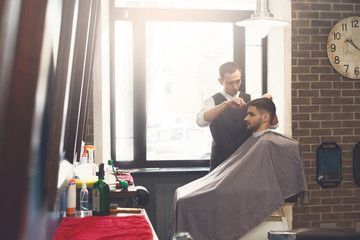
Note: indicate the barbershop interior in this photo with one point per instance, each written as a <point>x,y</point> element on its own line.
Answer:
<point>180,119</point>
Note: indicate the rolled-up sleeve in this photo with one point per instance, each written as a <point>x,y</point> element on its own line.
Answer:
<point>208,103</point>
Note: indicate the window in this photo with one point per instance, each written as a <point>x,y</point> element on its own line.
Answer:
<point>164,63</point>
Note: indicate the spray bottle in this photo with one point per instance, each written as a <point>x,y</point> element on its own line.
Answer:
<point>84,198</point>
<point>90,149</point>
<point>101,195</point>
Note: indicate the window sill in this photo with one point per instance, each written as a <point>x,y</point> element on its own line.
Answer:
<point>169,170</point>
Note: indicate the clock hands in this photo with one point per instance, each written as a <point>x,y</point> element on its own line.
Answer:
<point>352,43</point>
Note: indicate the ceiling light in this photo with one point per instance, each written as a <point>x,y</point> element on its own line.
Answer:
<point>262,20</point>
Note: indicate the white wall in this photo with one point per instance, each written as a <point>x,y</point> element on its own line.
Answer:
<point>279,64</point>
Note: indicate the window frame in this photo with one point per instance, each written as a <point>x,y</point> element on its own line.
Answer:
<point>139,17</point>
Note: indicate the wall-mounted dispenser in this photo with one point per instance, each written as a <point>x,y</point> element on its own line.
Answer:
<point>356,161</point>
<point>328,172</point>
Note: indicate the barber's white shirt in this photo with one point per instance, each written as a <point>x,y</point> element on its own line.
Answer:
<point>210,103</point>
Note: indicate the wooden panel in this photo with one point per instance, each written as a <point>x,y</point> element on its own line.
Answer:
<point>22,115</point>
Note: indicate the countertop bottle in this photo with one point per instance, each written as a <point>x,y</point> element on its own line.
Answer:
<point>84,198</point>
<point>71,197</point>
<point>101,195</point>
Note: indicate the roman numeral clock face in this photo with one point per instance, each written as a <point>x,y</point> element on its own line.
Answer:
<point>343,47</point>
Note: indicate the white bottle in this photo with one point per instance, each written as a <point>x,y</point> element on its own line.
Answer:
<point>71,197</point>
<point>110,178</point>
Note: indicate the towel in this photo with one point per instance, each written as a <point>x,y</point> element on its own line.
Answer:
<point>104,227</point>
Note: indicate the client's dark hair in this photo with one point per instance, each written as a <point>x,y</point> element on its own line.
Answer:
<point>264,105</point>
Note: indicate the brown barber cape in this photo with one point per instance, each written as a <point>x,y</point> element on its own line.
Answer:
<point>241,192</point>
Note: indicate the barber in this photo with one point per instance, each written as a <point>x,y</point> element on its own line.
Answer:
<point>225,112</point>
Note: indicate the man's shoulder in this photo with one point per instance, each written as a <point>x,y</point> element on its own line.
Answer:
<point>218,98</point>
<point>218,94</point>
<point>245,96</point>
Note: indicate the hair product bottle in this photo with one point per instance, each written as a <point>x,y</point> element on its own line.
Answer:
<point>101,195</point>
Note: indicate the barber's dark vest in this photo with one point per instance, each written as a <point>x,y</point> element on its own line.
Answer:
<point>229,131</point>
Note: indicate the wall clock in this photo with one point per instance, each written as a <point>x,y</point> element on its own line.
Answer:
<point>343,47</point>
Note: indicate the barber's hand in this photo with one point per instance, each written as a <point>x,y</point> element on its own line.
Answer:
<point>268,96</point>
<point>236,103</point>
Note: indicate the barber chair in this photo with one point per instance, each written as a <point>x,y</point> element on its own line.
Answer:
<point>279,221</point>
<point>327,234</point>
<point>314,234</point>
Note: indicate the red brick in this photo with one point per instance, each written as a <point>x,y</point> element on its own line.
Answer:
<point>309,109</point>
<point>321,85</point>
<point>353,215</point>
<point>325,31</point>
<point>330,15</point>
<point>300,23</point>
<point>308,31</point>
<point>300,101</point>
<point>301,116</point>
<point>311,62</point>
<point>351,200</point>
<point>330,77</point>
<point>308,140</point>
<point>342,192</point>
<point>343,7</point>
<point>308,93</point>
<point>330,139</point>
<point>330,216</point>
<point>321,116</point>
<point>300,85</point>
<point>309,46</point>
<point>351,123</point>
<point>352,93</point>
<point>320,132</point>
<point>322,69</point>
<point>342,208</point>
<point>300,69</point>
<point>320,209</point>
<point>300,54</point>
<point>342,131</point>
<point>343,100</point>
<point>331,124</point>
<point>321,100</point>
<point>326,201</point>
<point>338,84</point>
<point>320,23</point>
<point>309,217</point>
<point>308,77</point>
<point>320,6</point>
<point>342,116</point>
<point>300,6</point>
<point>330,108</point>
<point>332,93</point>
<point>321,39</point>
<point>318,54</point>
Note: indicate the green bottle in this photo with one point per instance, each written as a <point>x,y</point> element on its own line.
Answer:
<point>101,195</point>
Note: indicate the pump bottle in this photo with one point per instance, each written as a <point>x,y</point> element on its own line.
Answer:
<point>101,195</point>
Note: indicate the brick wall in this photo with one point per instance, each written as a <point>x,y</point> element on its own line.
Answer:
<point>325,108</point>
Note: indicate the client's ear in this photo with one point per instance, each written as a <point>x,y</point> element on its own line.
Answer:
<point>266,117</point>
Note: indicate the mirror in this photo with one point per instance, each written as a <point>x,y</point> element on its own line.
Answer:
<point>328,157</point>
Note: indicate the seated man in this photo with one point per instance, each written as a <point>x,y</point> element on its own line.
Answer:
<point>247,188</point>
